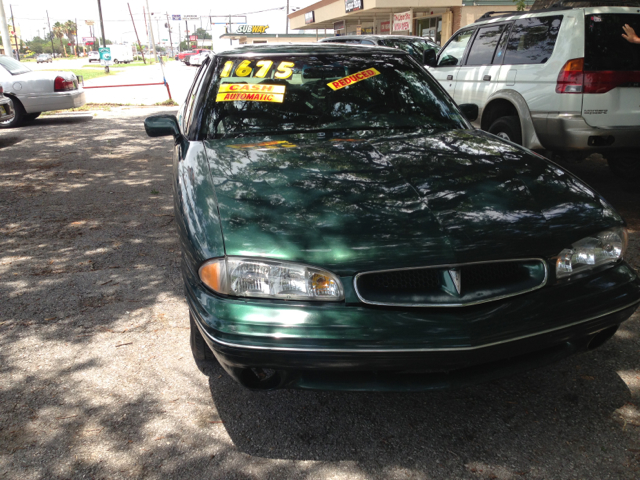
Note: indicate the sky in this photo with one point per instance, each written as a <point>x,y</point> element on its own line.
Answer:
<point>31,15</point>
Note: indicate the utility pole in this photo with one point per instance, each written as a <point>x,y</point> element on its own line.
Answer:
<point>195,31</point>
<point>286,25</point>
<point>15,33</point>
<point>4,31</point>
<point>188,39</point>
<point>76,35</point>
<point>169,28</point>
<point>153,42</point>
<point>50,34</point>
<point>104,39</point>
<point>136,30</point>
<point>146,27</point>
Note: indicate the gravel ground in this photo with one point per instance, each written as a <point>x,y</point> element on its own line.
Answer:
<point>97,379</point>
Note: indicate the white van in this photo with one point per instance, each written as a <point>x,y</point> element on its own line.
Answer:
<point>121,53</point>
<point>561,79</point>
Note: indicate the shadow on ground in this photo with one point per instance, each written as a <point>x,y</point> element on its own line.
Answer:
<point>97,381</point>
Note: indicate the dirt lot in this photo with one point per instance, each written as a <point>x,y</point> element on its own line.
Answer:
<point>97,379</point>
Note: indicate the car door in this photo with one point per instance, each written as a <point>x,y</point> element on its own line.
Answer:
<point>478,78</point>
<point>449,60</point>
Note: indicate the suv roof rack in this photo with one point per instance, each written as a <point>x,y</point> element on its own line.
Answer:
<point>546,5</point>
<point>539,5</point>
<point>506,13</point>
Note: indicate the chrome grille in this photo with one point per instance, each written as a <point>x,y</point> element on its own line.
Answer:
<point>451,285</point>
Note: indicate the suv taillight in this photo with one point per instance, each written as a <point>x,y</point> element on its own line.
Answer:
<point>573,79</point>
<point>62,85</point>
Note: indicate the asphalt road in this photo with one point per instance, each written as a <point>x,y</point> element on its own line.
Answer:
<point>97,378</point>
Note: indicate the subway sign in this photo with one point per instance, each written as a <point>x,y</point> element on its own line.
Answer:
<point>252,28</point>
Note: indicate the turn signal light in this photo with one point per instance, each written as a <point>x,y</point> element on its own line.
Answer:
<point>571,77</point>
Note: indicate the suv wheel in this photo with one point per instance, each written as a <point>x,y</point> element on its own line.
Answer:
<point>507,128</point>
<point>627,167</point>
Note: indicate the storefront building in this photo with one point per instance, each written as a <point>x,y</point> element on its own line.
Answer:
<point>434,19</point>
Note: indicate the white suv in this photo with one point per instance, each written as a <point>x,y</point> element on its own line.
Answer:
<point>561,79</point>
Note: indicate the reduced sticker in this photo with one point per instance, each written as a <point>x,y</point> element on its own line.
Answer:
<point>232,92</point>
<point>351,79</point>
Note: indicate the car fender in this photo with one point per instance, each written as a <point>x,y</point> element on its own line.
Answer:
<point>195,204</point>
<point>529,137</point>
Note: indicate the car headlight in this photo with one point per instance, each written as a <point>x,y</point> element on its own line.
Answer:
<point>592,252</point>
<point>252,277</point>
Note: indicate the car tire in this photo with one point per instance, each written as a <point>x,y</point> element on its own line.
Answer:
<point>199,348</point>
<point>627,167</point>
<point>20,113</point>
<point>507,128</point>
<point>30,117</point>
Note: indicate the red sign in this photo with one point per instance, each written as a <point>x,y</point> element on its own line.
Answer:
<point>193,38</point>
<point>385,27</point>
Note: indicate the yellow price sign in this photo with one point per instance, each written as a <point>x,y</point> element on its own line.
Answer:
<point>232,92</point>
<point>351,79</point>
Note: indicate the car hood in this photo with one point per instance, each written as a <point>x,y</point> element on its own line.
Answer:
<point>373,202</point>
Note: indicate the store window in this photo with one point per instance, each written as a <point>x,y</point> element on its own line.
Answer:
<point>430,28</point>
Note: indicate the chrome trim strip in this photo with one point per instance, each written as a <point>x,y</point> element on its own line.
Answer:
<point>409,350</point>
<point>458,304</point>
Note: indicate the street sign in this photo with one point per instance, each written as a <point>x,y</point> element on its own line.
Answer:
<point>190,17</point>
<point>89,22</point>
<point>176,17</point>
<point>105,55</point>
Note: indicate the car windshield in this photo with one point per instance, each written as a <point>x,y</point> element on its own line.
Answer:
<point>285,94</point>
<point>413,47</point>
<point>13,66</point>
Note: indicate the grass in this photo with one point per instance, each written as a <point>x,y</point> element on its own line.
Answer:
<point>167,103</point>
<point>137,63</point>
<point>86,74</point>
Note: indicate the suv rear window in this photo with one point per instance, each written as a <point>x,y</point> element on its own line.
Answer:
<point>532,40</point>
<point>605,49</point>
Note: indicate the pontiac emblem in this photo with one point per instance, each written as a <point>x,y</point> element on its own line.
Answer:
<point>456,278</point>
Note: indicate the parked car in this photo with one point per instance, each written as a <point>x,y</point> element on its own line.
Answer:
<point>198,59</point>
<point>6,108</point>
<point>31,93</point>
<point>184,56</point>
<point>415,46</point>
<point>44,58</point>
<point>343,226</point>
<point>94,56</point>
<point>561,79</point>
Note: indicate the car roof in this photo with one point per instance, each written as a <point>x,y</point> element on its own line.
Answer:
<point>327,48</point>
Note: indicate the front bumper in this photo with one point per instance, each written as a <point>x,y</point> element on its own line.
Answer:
<point>358,347</point>
<point>570,132</point>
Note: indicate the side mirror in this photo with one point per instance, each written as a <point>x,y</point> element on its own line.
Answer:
<point>162,126</point>
<point>429,58</point>
<point>470,111</point>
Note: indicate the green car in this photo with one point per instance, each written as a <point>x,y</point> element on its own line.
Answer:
<point>344,227</point>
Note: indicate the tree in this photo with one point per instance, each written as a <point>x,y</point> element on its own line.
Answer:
<point>202,34</point>
<point>70,30</point>
<point>58,32</point>
<point>521,5</point>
